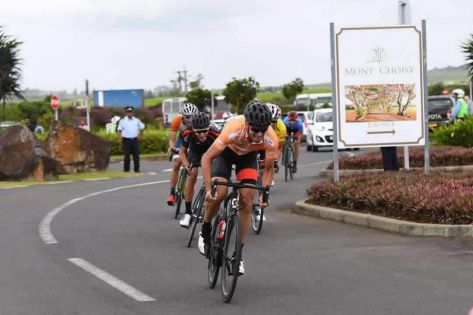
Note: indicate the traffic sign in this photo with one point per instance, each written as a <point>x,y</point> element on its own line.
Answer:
<point>55,102</point>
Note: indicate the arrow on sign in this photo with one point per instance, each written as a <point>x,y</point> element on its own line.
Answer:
<point>381,132</point>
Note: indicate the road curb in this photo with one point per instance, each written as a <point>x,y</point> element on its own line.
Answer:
<point>383,223</point>
<point>329,173</point>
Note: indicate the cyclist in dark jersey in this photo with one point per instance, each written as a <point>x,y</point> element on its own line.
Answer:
<point>194,144</point>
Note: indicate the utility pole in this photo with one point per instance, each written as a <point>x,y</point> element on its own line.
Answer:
<point>404,18</point>
<point>185,80</point>
<point>179,78</point>
<point>87,103</point>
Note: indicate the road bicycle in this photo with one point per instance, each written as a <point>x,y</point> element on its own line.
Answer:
<point>225,248</point>
<point>288,157</point>
<point>197,216</point>
<point>257,212</point>
<point>180,188</point>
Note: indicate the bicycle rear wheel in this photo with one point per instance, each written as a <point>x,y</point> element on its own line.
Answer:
<point>197,213</point>
<point>231,258</point>
<point>291,163</point>
<point>215,255</point>
<point>257,219</point>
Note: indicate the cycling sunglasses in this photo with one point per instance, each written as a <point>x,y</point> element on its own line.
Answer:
<point>258,130</point>
<point>188,117</point>
<point>201,131</point>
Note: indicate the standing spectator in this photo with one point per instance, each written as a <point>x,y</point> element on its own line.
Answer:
<point>31,126</point>
<point>460,108</point>
<point>129,129</point>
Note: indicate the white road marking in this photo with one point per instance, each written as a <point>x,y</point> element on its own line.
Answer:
<point>168,170</point>
<point>112,280</point>
<point>152,173</point>
<point>44,228</point>
<point>93,179</point>
<point>60,182</point>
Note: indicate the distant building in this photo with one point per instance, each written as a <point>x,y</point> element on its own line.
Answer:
<point>119,98</point>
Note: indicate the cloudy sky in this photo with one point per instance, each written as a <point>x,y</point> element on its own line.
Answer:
<point>142,43</point>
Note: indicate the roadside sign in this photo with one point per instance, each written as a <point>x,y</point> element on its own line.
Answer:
<point>380,87</point>
<point>55,102</point>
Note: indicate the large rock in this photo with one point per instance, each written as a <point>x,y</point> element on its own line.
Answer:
<point>23,156</point>
<point>76,149</point>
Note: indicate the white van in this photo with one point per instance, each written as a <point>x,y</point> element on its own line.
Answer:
<point>171,108</point>
<point>319,100</point>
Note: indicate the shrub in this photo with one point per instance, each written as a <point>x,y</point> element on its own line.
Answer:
<point>458,134</point>
<point>439,197</point>
<point>153,141</point>
<point>439,156</point>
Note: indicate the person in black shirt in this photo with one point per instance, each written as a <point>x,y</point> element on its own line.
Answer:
<point>195,143</point>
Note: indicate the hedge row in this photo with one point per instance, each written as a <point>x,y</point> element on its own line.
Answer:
<point>153,141</point>
<point>439,156</point>
<point>440,197</point>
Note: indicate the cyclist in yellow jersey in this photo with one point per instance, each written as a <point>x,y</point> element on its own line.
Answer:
<point>280,129</point>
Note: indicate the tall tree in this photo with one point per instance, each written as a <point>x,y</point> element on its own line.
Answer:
<point>10,72</point>
<point>291,89</point>
<point>240,92</point>
<point>199,98</point>
<point>467,49</point>
<point>197,83</point>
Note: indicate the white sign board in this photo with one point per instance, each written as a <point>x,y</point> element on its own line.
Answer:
<point>380,99</point>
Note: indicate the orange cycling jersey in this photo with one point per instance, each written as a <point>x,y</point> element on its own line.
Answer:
<point>235,136</point>
<point>178,125</point>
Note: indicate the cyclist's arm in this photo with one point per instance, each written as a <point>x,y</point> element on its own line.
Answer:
<point>268,172</point>
<point>172,139</point>
<point>183,156</point>
<point>207,159</point>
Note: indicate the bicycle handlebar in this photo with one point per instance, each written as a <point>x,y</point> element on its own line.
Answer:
<point>238,185</point>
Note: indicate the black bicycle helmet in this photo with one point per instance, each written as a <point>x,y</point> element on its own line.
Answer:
<point>200,121</point>
<point>257,114</point>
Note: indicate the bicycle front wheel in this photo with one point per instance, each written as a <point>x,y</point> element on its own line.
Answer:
<point>197,214</point>
<point>231,258</point>
<point>215,255</point>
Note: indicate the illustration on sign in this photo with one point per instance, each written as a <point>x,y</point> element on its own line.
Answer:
<point>378,102</point>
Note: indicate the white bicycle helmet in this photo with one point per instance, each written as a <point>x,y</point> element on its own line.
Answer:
<point>189,109</point>
<point>275,111</point>
<point>226,115</point>
<point>458,93</point>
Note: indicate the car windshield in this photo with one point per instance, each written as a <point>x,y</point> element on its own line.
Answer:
<point>323,117</point>
<point>440,103</point>
<point>302,101</point>
<point>323,100</point>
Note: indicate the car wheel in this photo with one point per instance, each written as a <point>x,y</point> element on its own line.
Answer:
<point>309,145</point>
<point>315,148</point>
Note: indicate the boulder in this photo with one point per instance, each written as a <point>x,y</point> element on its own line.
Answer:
<point>76,149</point>
<point>23,156</point>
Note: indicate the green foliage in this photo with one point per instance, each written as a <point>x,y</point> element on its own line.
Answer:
<point>290,90</point>
<point>272,97</point>
<point>199,97</point>
<point>240,92</point>
<point>197,83</point>
<point>467,49</point>
<point>10,72</point>
<point>459,133</point>
<point>154,102</point>
<point>153,141</point>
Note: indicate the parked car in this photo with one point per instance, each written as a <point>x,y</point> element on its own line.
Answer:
<point>440,108</point>
<point>320,130</point>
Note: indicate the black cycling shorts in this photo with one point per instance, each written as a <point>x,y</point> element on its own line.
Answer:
<point>194,158</point>
<point>245,166</point>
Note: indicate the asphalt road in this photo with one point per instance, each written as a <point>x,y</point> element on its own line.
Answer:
<point>297,265</point>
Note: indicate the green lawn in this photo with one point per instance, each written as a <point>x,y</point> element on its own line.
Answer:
<point>156,101</point>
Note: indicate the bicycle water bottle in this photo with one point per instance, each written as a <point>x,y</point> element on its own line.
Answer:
<point>221,229</point>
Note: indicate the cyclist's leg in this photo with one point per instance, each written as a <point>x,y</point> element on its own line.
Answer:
<point>246,169</point>
<point>174,173</point>
<point>194,160</point>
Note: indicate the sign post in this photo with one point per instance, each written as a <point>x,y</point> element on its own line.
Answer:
<point>55,106</point>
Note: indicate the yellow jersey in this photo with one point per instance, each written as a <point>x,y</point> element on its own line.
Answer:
<point>280,130</point>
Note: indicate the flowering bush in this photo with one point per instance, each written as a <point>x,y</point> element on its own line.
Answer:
<point>444,197</point>
<point>439,156</point>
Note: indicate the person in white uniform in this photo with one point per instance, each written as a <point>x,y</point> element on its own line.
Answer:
<point>129,130</point>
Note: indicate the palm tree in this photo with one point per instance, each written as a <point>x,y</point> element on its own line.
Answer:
<point>467,49</point>
<point>10,72</point>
